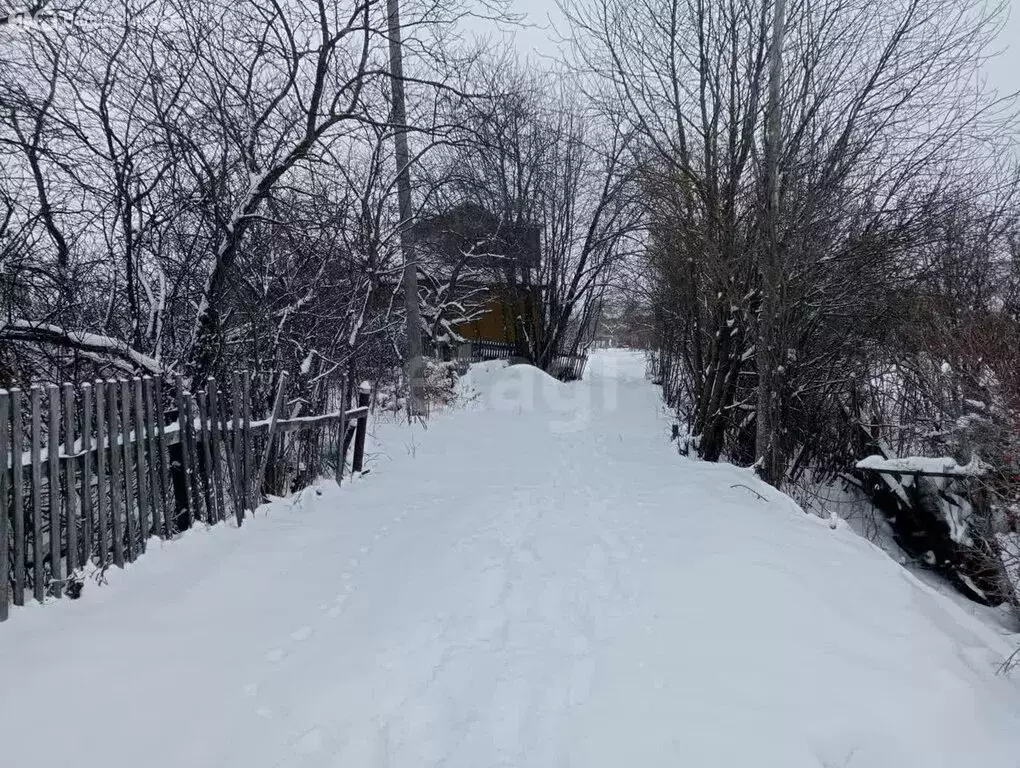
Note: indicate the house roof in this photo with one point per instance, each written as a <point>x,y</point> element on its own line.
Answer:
<point>471,231</point>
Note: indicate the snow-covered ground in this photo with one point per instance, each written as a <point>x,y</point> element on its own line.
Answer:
<point>535,580</point>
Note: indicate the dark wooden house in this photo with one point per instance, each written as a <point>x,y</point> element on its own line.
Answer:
<point>480,250</point>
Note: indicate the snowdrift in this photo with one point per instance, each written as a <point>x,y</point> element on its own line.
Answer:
<point>499,383</point>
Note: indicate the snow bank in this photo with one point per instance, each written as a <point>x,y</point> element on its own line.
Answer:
<point>479,378</point>
<point>497,386</point>
<point>498,592</point>
<point>500,383</point>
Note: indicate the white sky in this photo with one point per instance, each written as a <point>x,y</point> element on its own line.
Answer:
<point>1003,71</point>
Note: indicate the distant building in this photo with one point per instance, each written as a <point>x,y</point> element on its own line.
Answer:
<point>476,249</point>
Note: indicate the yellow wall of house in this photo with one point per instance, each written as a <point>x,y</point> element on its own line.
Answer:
<point>497,324</point>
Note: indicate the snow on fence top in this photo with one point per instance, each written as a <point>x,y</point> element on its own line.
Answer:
<point>941,466</point>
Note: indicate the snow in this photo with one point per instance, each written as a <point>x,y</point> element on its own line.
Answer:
<point>924,465</point>
<point>535,580</point>
<point>90,341</point>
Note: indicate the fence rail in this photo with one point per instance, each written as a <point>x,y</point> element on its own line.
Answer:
<point>89,474</point>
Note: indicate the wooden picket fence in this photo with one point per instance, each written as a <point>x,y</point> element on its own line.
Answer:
<point>491,350</point>
<point>88,474</point>
<point>569,367</point>
<point>565,366</point>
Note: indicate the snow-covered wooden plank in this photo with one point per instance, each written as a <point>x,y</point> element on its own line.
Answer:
<point>308,421</point>
<point>929,466</point>
<point>300,422</point>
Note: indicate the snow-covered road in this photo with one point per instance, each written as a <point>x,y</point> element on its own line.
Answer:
<point>534,581</point>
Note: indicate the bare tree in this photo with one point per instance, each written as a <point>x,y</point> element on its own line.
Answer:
<point>557,178</point>
<point>876,112</point>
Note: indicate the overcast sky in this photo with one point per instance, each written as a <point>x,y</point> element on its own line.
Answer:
<point>1003,71</point>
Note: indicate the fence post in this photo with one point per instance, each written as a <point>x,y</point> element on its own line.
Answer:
<point>70,480</point>
<point>183,514</point>
<point>281,390</point>
<point>102,479</point>
<point>116,475</point>
<point>4,453</point>
<point>166,485</point>
<point>53,472</point>
<point>154,480</point>
<point>130,521</point>
<point>86,474</point>
<point>190,454</point>
<point>141,468</point>
<point>18,497</point>
<point>208,485</point>
<point>235,438</point>
<point>364,392</point>
<point>246,443</point>
<point>217,442</point>
<point>38,585</point>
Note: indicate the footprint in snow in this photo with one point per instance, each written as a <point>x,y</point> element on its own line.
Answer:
<point>309,742</point>
<point>338,606</point>
<point>301,634</point>
<point>276,655</point>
